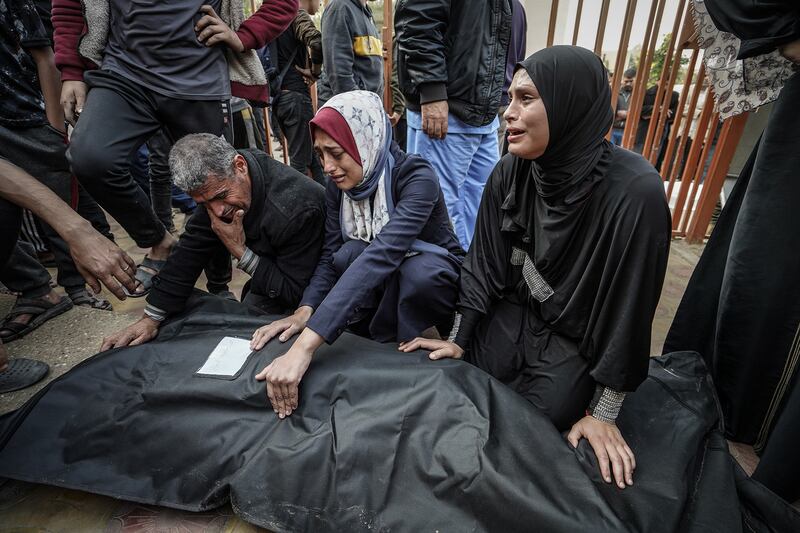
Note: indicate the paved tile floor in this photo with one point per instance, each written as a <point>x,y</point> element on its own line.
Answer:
<point>76,335</point>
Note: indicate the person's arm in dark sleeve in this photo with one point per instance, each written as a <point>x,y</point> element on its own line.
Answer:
<point>174,284</point>
<point>484,271</point>
<point>398,100</point>
<point>296,254</point>
<point>762,25</point>
<point>35,38</point>
<point>307,33</point>
<point>421,26</point>
<point>266,24</point>
<point>325,276</point>
<point>337,50</point>
<point>382,257</point>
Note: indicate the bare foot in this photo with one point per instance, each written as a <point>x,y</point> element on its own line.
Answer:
<point>52,297</point>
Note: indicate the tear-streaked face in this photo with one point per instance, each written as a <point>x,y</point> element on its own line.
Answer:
<point>526,118</point>
<point>342,169</point>
<point>224,195</point>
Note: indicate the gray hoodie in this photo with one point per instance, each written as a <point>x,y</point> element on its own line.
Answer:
<point>352,50</point>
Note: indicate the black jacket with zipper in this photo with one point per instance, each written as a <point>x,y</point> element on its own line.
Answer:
<point>454,50</point>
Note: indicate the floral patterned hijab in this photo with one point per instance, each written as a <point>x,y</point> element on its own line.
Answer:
<point>364,207</point>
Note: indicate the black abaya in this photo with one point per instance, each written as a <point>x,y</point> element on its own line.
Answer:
<point>741,309</point>
<point>561,282</point>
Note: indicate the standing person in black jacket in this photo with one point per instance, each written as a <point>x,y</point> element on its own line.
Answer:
<point>270,218</point>
<point>451,68</point>
<point>300,42</point>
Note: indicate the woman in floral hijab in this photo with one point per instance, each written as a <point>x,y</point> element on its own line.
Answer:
<point>390,263</point>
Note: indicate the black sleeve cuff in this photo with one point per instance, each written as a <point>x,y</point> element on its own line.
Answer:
<point>464,328</point>
<point>432,92</point>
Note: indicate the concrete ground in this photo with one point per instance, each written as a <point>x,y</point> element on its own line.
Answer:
<point>76,335</point>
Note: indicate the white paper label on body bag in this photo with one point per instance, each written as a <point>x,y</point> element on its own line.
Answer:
<point>227,358</point>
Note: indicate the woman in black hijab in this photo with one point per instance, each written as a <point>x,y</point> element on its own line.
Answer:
<point>560,285</point>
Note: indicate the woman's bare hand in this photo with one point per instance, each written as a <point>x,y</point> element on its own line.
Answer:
<point>609,446</point>
<point>439,349</point>
<point>286,327</point>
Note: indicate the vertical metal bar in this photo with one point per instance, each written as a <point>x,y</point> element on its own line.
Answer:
<point>691,160</point>
<point>551,29</point>
<point>664,110</point>
<point>652,141</point>
<point>638,90</point>
<point>285,149</point>
<point>666,165</point>
<point>732,131</point>
<point>314,99</point>
<point>687,128</point>
<point>697,178</point>
<point>388,38</point>
<point>578,14</point>
<point>622,51</point>
<point>645,73</point>
<point>268,132</point>
<point>601,27</point>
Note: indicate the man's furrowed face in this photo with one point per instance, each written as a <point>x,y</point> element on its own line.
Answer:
<point>627,84</point>
<point>224,195</point>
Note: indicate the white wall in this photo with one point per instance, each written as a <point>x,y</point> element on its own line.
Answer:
<point>538,13</point>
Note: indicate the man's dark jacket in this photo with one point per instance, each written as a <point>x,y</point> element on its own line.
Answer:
<point>454,50</point>
<point>284,226</point>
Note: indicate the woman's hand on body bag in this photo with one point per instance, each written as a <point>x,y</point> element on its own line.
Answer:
<point>284,373</point>
<point>609,446</point>
<point>286,327</point>
<point>439,349</point>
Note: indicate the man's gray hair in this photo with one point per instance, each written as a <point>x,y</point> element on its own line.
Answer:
<point>197,156</point>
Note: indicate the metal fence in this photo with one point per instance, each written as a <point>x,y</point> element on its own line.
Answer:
<point>690,146</point>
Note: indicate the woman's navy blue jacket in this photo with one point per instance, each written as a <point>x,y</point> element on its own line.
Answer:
<point>420,214</point>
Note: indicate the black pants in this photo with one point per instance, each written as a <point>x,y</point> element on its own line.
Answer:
<point>150,170</point>
<point>40,151</point>
<point>119,116</point>
<point>11,222</point>
<point>400,132</point>
<point>293,112</point>
<point>512,344</point>
<point>246,132</point>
